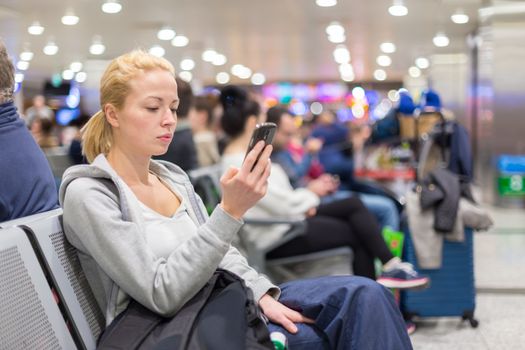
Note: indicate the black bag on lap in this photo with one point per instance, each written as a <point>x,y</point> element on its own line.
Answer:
<point>222,315</point>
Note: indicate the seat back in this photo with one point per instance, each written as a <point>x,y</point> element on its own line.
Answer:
<point>30,317</point>
<point>59,160</point>
<point>63,263</point>
<point>206,182</point>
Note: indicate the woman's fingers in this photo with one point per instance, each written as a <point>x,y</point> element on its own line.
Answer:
<point>288,324</point>
<point>251,158</point>
<point>262,182</point>
<point>297,317</point>
<point>229,174</point>
<point>262,163</point>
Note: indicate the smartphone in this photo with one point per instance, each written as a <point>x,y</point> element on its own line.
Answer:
<point>265,132</point>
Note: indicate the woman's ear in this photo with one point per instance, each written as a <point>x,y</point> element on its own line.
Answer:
<point>111,115</point>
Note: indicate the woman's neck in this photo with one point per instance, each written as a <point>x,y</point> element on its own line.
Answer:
<point>131,168</point>
<point>238,144</point>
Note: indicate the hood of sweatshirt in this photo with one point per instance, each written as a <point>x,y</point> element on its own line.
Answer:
<point>101,169</point>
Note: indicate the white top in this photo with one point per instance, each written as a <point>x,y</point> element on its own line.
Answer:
<point>164,234</point>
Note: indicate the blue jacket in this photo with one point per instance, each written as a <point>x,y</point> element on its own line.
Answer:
<point>295,171</point>
<point>27,185</point>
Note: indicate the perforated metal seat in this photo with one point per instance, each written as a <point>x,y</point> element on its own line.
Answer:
<point>71,283</point>
<point>30,317</point>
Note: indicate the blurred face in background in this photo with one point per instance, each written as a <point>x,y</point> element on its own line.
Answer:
<point>285,132</point>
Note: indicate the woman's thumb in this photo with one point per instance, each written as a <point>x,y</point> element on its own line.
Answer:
<point>230,173</point>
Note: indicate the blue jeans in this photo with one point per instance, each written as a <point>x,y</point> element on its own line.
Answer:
<point>349,312</point>
<point>383,208</point>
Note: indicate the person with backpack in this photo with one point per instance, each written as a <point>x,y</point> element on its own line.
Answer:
<point>156,262</point>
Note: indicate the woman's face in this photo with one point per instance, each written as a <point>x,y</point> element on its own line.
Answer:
<point>147,121</point>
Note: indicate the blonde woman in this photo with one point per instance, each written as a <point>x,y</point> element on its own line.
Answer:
<point>142,234</point>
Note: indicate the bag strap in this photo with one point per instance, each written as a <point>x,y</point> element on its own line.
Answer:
<point>129,329</point>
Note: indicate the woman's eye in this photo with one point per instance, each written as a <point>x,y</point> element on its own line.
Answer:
<point>173,110</point>
<point>152,109</point>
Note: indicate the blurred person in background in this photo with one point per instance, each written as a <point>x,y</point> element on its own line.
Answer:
<point>47,137</point>
<point>334,155</point>
<point>297,167</point>
<point>27,185</point>
<point>38,109</point>
<point>182,151</point>
<point>204,137</point>
<point>75,147</point>
<point>344,222</point>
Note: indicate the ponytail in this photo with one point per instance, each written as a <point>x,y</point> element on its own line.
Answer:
<point>96,136</point>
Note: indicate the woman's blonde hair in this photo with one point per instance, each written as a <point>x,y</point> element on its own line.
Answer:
<point>97,136</point>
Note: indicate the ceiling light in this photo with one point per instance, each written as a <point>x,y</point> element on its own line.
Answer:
<point>326,3</point>
<point>97,48</point>
<point>209,55</point>
<point>51,48</point>
<point>70,19</point>
<point>26,55</point>
<point>341,54</point>
<point>19,77</point>
<point>348,78</point>
<point>157,50</point>
<point>245,73</point>
<point>346,69</point>
<point>166,33</point>
<point>459,17</point>
<point>22,65</point>
<point>111,6</point>
<point>258,79</point>
<point>186,76</point>
<point>76,66</point>
<point>180,41</point>
<point>441,40</point>
<point>422,62</point>
<point>222,78</point>
<point>379,74</point>
<point>337,39</point>
<point>237,69</point>
<point>35,29</point>
<point>398,9</point>
<point>387,47</point>
<point>414,72</point>
<point>358,92</point>
<point>335,29</point>
<point>81,77</point>
<point>219,60</point>
<point>384,60</point>
<point>68,74</point>
<point>187,64</point>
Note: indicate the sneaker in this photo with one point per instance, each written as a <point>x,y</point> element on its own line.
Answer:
<point>403,276</point>
<point>411,327</point>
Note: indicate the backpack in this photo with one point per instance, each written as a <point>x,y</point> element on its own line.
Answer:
<point>222,315</point>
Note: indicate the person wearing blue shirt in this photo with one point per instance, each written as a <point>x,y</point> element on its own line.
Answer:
<point>383,208</point>
<point>27,185</point>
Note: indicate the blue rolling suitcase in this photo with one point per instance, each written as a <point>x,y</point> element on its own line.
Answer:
<point>452,290</point>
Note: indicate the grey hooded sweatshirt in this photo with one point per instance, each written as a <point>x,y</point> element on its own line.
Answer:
<point>106,226</point>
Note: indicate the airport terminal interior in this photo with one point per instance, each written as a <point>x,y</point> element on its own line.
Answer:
<point>392,100</point>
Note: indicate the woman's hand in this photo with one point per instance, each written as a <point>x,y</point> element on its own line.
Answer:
<point>242,188</point>
<point>281,314</point>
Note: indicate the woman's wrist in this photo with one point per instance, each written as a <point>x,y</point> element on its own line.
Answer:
<point>230,211</point>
